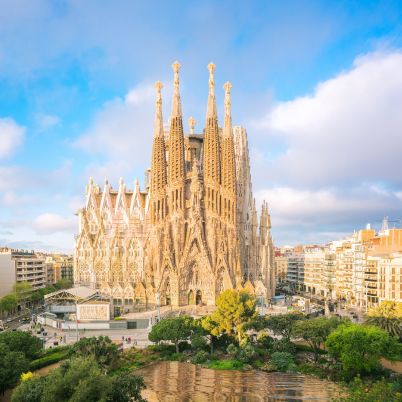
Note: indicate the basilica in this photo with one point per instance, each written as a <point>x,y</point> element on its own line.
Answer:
<point>191,231</point>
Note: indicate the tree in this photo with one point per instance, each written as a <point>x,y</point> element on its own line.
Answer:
<point>20,341</point>
<point>30,390</point>
<point>283,324</point>
<point>36,296</point>
<point>126,388</point>
<point>315,331</point>
<point>379,391</point>
<point>63,284</point>
<point>23,291</point>
<point>387,316</point>
<point>9,303</point>
<point>12,365</point>
<point>80,380</point>
<point>102,349</point>
<point>173,329</point>
<point>234,311</point>
<point>359,348</point>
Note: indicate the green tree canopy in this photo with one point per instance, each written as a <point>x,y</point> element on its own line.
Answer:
<point>9,303</point>
<point>22,290</point>
<point>359,348</point>
<point>12,365</point>
<point>30,390</point>
<point>102,349</point>
<point>379,391</point>
<point>63,284</point>
<point>20,341</point>
<point>283,324</point>
<point>80,380</point>
<point>126,388</point>
<point>234,312</point>
<point>315,331</point>
<point>387,316</point>
<point>174,329</point>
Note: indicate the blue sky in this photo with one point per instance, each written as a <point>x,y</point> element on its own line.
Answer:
<point>317,84</point>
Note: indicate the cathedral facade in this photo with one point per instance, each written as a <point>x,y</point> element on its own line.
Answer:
<point>192,231</point>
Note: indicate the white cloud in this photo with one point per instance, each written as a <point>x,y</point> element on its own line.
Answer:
<point>122,130</point>
<point>11,136</point>
<point>326,205</point>
<point>348,130</point>
<point>49,223</point>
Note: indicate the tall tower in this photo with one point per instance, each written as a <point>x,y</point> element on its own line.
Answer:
<point>211,162</point>
<point>158,164</point>
<point>176,167</point>
<point>229,209</point>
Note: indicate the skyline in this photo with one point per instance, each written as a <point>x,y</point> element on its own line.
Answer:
<point>318,90</point>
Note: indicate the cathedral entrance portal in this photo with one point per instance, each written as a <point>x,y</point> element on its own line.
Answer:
<point>191,298</point>
<point>198,297</point>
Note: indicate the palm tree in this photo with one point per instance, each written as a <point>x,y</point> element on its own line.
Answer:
<point>387,316</point>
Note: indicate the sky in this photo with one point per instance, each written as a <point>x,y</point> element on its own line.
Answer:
<point>317,85</point>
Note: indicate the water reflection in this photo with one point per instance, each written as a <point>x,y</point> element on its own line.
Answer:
<point>184,382</point>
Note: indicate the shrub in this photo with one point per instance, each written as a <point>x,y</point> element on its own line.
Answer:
<point>198,341</point>
<point>265,341</point>
<point>177,357</point>
<point>226,365</point>
<point>379,391</point>
<point>283,345</point>
<point>282,361</point>
<point>247,353</point>
<point>48,359</point>
<point>200,357</point>
<point>232,350</point>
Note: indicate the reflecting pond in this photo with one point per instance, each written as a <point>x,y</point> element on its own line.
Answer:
<point>185,382</point>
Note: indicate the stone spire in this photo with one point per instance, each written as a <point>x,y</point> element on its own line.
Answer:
<point>158,124</point>
<point>228,162</point>
<point>211,107</point>
<point>211,155</point>
<point>176,102</point>
<point>227,125</point>
<point>158,163</point>
<point>176,164</point>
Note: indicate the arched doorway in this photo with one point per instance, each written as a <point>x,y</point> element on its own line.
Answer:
<point>190,297</point>
<point>198,297</point>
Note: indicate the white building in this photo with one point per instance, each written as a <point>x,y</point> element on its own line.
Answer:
<point>20,266</point>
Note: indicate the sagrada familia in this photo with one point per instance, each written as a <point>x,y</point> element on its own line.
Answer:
<point>192,232</point>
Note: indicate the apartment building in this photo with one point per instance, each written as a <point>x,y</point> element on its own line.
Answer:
<point>314,257</point>
<point>20,266</point>
<point>281,267</point>
<point>295,274</point>
<point>60,267</point>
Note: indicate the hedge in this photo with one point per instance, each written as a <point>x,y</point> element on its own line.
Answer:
<point>48,359</point>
